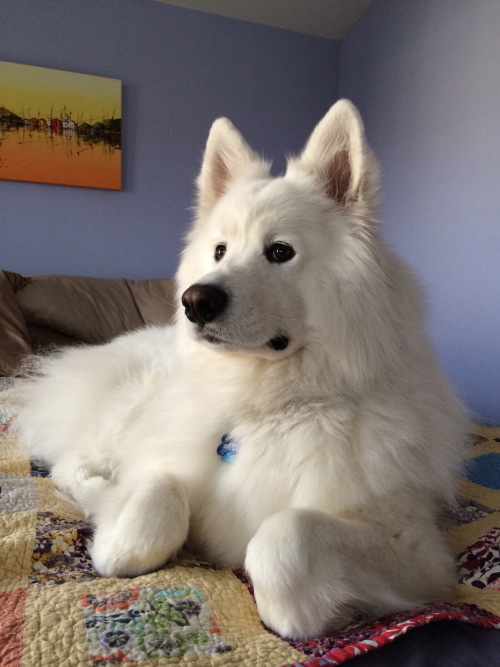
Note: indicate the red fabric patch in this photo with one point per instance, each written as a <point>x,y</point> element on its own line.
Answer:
<point>346,645</point>
<point>12,618</point>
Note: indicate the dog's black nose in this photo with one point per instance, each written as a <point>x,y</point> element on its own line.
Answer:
<point>203,303</point>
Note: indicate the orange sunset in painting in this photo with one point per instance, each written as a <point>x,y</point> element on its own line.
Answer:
<point>59,127</point>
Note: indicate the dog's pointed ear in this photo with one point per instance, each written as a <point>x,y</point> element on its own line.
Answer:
<point>339,159</point>
<point>227,157</point>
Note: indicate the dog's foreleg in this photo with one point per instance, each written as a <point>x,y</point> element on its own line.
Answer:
<point>141,522</point>
<point>314,574</point>
<point>78,482</point>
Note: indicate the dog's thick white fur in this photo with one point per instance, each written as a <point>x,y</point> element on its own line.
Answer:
<point>302,337</point>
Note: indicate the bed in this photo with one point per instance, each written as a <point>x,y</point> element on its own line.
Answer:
<point>56,610</point>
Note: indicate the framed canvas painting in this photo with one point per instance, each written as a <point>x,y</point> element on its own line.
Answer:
<point>59,127</point>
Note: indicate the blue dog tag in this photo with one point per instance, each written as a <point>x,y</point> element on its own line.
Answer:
<point>228,448</point>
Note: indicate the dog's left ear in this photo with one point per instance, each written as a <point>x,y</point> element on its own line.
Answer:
<point>227,157</point>
<point>339,159</point>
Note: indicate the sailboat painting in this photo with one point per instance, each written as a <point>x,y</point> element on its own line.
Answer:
<point>59,127</point>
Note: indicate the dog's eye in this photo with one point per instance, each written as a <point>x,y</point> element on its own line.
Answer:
<point>280,252</point>
<point>220,251</point>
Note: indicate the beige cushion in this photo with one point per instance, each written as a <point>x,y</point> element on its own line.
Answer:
<point>155,299</point>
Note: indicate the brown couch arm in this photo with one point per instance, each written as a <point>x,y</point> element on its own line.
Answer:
<point>41,311</point>
<point>15,342</point>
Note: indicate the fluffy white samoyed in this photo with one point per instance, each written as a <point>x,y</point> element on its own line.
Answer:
<point>299,356</point>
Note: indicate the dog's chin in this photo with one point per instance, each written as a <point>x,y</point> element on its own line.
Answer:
<point>277,346</point>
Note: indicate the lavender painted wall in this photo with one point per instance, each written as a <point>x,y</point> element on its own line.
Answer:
<point>180,70</point>
<point>426,77</point>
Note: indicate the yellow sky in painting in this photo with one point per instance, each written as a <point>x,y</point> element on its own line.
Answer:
<point>34,91</point>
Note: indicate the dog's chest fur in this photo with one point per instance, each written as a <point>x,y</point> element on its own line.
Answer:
<point>276,466</point>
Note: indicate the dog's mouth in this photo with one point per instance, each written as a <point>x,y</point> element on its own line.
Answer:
<point>213,340</point>
<point>278,343</point>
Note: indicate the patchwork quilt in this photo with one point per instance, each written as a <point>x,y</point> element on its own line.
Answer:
<point>55,609</point>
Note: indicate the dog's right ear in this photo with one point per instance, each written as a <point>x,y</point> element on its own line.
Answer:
<point>227,157</point>
<point>340,161</point>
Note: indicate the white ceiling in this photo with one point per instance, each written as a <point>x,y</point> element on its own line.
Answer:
<point>321,18</point>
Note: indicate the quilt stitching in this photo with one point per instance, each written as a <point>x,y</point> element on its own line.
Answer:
<point>153,622</point>
<point>12,620</point>
<point>17,494</point>
<point>142,621</point>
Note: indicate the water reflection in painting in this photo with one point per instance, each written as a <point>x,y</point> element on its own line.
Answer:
<point>79,144</point>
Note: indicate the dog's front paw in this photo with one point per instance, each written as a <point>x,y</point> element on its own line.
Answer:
<point>140,527</point>
<point>297,596</point>
<point>283,608</point>
<point>88,493</point>
<point>124,556</point>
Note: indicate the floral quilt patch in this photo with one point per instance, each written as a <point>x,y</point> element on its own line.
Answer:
<point>480,562</point>
<point>470,510</point>
<point>39,469</point>
<point>60,552</point>
<point>152,622</point>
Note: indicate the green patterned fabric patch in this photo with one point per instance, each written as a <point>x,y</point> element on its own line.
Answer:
<point>153,622</point>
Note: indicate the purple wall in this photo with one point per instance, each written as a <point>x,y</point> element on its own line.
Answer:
<point>180,70</point>
<point>426,77</point>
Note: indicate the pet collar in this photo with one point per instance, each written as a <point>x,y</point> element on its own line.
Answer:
<point>228,448</point>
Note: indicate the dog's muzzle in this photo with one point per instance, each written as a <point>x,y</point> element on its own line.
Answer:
<point>203,303</point>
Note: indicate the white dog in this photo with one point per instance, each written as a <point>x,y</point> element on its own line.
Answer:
<point>300,352</point>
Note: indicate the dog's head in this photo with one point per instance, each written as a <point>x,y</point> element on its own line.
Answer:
<point>270,262</point>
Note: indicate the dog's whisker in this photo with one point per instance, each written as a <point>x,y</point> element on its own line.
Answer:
<point>169,303</point>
